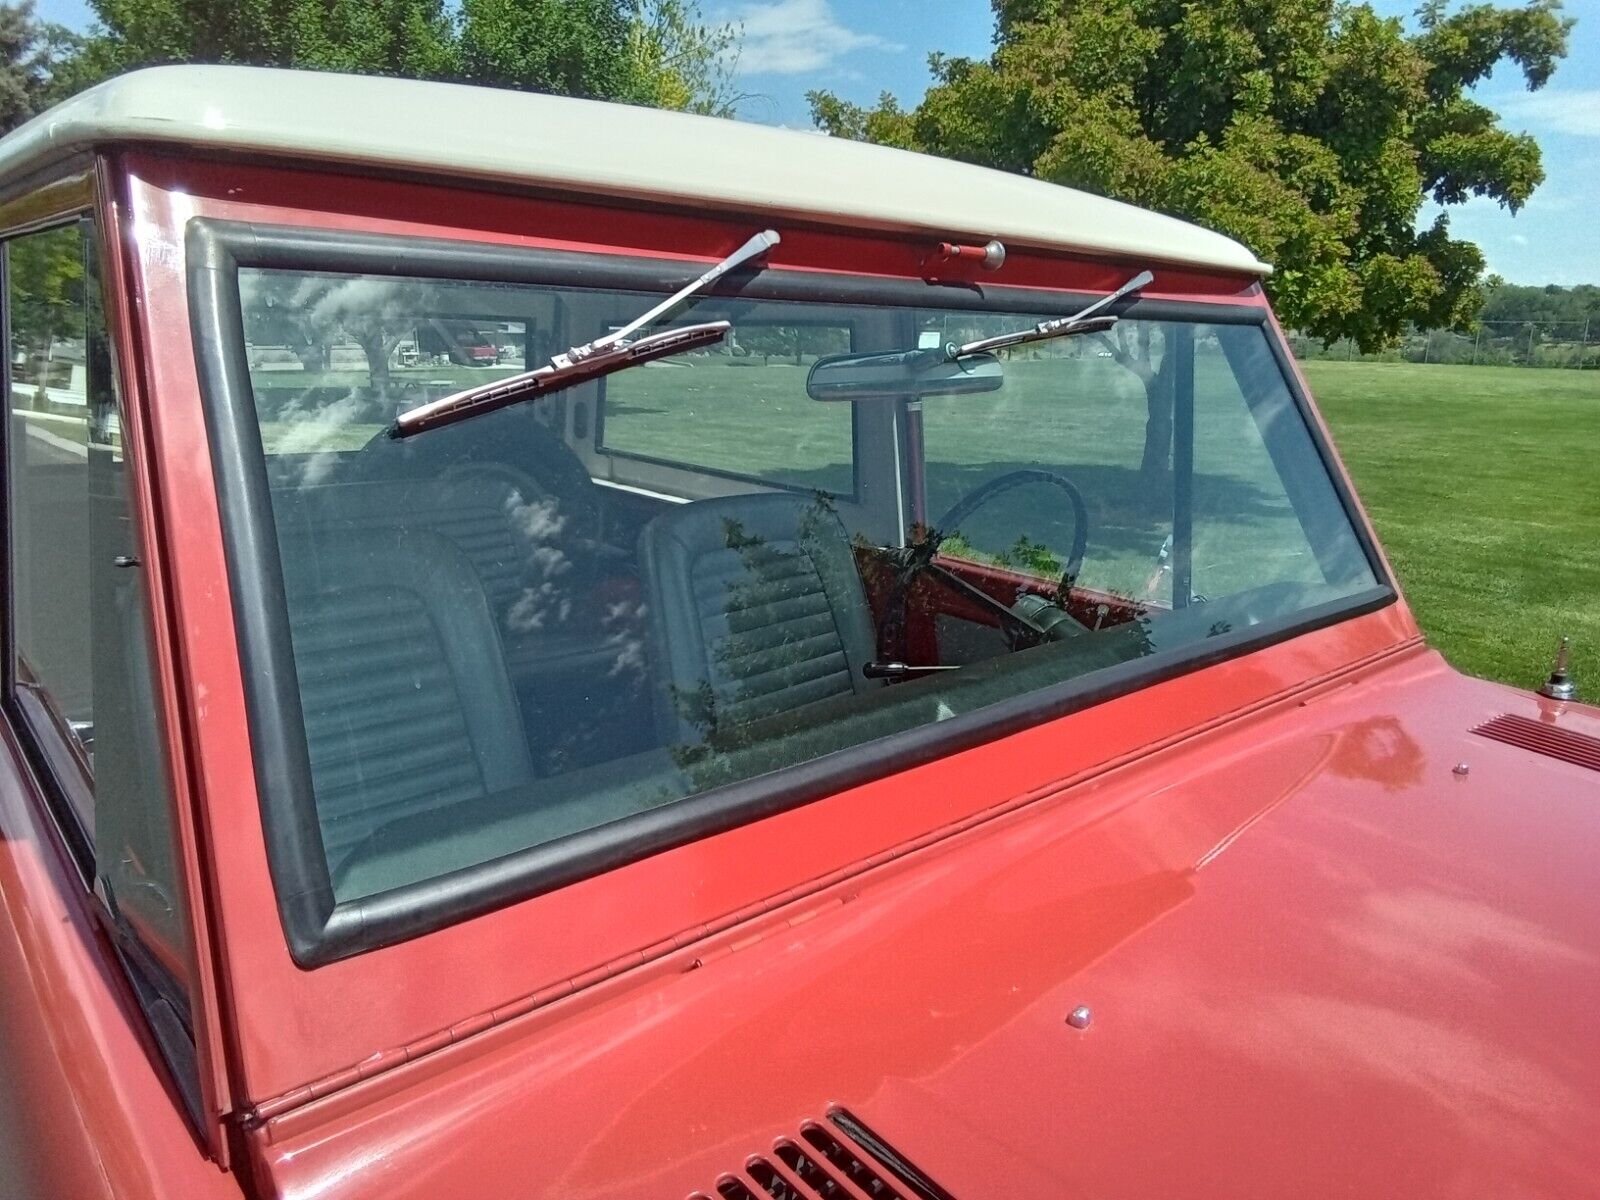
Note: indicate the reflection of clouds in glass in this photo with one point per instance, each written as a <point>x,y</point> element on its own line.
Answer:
<point>622,623</point>
<point>549,561</point>
<point>335,302</point>
<point>310,431</point>
<point>538,523</point>
<point>536,606</point>
<point>539,520</point>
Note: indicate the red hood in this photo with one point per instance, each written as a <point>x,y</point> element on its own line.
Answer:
<point>1320,962</point>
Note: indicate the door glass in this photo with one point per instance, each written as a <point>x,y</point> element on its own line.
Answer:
<point>50,420</point>
<point>79,627</point>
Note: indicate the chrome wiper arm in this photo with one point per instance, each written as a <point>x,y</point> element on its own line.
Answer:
<point>560,372</point>
<point>1092,319</point>
<point>752,249</point>
<point>604,355</point>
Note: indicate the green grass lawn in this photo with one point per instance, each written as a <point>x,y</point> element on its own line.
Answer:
<point>1484,484</point>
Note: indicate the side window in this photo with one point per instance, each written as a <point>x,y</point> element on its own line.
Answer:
<point>716,410</point>
<point>78,659</point>
<point>49,471</point>
<point>1263,508</point>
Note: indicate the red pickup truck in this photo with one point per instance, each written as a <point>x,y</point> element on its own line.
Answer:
<point>892,695</point>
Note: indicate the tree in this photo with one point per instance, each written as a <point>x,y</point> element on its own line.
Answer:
<point>1549,304</point>
<point>30,53</point>
<point>394,37</point>
<point>574,47</point>
<point>45,279</point>
<point>1313,131</point>
<point>656,52</point>
<point>680,63</point>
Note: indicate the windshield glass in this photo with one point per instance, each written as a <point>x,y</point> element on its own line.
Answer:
<point>561,615</point>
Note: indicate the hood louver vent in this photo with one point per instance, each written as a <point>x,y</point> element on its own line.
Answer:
<point>837,1158</point>
<point>1553,742</point>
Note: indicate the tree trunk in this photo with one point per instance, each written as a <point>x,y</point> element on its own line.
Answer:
<point>377,346</point>
<point>1157,458</point>
<point>315,356</point>
<point>1131,347</point>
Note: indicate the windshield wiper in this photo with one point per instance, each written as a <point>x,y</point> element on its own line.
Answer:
<point>603,356</point>
<point>1092,319</point>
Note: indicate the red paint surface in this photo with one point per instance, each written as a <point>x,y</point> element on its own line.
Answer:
<point>85,1109</point>
<point>1320,964</point>
<point>116,248</point>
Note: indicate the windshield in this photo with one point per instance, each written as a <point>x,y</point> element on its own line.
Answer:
<point>618,602</point>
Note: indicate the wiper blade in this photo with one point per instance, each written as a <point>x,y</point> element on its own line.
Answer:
<point>603,356</point>
<point>560,372</point>
<point>1093,319</point>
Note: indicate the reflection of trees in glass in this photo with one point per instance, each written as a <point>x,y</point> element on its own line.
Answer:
<point>46,285</point>
<point>727,713</point>
<point>310,314</point>
<point>273,318</point>
<point>1025,555</point>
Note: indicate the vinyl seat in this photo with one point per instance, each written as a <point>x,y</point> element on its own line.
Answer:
<point>757,611</point>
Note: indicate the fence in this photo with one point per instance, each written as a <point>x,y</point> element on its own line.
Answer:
<point>1571,344</point>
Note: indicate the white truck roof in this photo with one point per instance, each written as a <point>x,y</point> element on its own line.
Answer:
<point>590,147</point>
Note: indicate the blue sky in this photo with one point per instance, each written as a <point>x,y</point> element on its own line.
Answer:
<point>859,49</point>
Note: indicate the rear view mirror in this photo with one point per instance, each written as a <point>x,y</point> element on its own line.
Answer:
<point>902,373</point>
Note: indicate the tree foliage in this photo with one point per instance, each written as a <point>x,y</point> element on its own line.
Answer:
<point>46,284</point>
<point>1313,131</point>
<point>655,52</point>
<point>32,53</point>
<point>1545,305</point>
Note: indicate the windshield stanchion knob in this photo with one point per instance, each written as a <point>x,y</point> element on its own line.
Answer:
<point>991,256</point>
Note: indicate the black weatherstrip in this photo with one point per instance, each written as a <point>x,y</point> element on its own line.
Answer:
<point>318,930</point>
<point>260,610</point>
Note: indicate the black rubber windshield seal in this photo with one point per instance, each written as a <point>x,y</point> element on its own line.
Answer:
<point>320,930</point>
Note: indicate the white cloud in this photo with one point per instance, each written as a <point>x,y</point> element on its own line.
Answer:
<point>793,37</point>
<point>1574,111</point>
<point>1516,239</point>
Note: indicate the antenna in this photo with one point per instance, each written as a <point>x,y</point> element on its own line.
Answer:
<point>1560,685</point>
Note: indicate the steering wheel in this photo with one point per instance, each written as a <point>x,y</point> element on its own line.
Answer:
<point>918,559</point>
<point>999,485</point>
